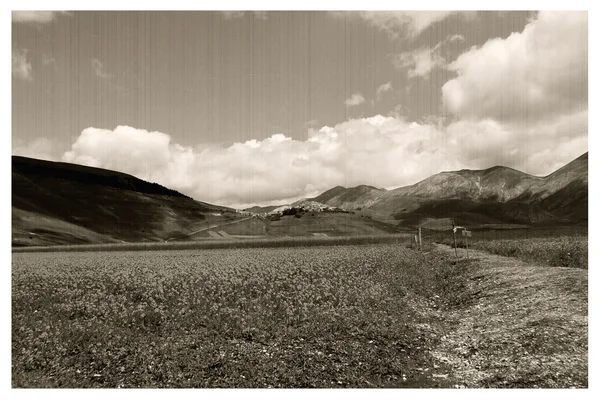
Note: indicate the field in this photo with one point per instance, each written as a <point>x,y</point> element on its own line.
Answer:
<point>555,248</point>
<point>376,315</point>
<point>320,316</point>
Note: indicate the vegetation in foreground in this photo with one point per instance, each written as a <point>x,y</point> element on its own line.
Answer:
<point>338,316</point>
<point>349,316</point>
<point>570,250</point>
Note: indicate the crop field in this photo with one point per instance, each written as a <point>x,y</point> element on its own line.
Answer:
<point>370,315</point>
<point>342,316</point>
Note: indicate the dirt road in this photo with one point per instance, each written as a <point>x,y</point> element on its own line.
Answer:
<point>524,325</point>
<point>208,228</point>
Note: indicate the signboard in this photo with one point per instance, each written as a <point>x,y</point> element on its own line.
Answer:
<point>466,233</point>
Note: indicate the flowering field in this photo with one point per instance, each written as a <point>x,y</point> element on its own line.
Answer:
<point>341,316</point>
<point>570,250</point>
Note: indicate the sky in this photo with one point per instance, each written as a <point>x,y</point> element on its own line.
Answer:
<point>245,108</point>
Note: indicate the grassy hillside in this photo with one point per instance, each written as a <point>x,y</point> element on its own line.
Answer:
<point>58,203</point>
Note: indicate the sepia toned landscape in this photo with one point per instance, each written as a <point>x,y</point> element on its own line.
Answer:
<point>367,245</point>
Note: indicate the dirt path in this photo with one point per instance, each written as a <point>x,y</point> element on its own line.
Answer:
<point>208,228</point>
<point>523,325</point>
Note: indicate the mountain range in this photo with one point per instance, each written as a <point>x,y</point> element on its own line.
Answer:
<point>61,203</point>
<point>493,196</point>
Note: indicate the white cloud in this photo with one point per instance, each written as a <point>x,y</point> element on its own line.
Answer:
<point>271,170</point>
<point>454,37</point>
<point>379,151</point>
<point>100,70</point>
<point>40,17</point>
<point>354,100</point>
<point>386,87</point>
<point>40,148</point>
<point>401,23</point>
<point>421,61</point>
<point>539,72</point>
<point>538,148</point>
<point>21,68</point>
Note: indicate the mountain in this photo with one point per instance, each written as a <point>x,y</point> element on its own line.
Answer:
<point>497,196</point>
<point>350,199</point>
<point>261,210</point>
<point>61,203</point>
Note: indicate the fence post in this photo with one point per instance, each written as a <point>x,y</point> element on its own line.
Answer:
<point>420,240</point>
<point>467,240</point>
<point>454,235</point>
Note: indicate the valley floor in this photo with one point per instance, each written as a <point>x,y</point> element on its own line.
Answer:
<point>373,315</point>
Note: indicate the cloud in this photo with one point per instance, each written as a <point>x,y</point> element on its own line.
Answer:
<point>354,100</point>
<point>386,87</point>
<point>400,23</point>
<point>40,148</point>
<point>270,170</point>
<point>379,151</point>
<point>100,70</point>
<point>21,68</point>
<point>312,123</point>
<point>239,14</point>
<point>541,71</point>
<point>455,37</point>
<point>39,17</point>
<point>46,60</point>
<point>538,148</point>
<point>421,61</point>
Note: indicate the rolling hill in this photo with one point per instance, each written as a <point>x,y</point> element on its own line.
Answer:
<point>61,203</point>
<point>497,196</point>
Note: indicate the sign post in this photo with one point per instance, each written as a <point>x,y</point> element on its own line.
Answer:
<point>454,229</point>
<point>467,235</point>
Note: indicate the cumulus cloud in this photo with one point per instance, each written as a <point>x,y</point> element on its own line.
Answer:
<point>40,148</point>
<point>386,87</point>
<point>40,17</point>
<point>379,151</point>
<point>100,70</point>
<point>538,148</point>
<point>354,100</point>
<point>541,71</point>
<point>21,68</point>
<point>421,61</point>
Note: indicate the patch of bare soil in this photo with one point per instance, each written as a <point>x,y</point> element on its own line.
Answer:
<point>523,325</point>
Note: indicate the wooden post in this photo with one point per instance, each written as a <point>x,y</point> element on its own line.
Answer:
<point>420,240</point>
<point>467,240</point>
<point>416,242</point>
<point>455,251</point>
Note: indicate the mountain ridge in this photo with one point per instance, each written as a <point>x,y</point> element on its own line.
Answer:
<point>497,195</point>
